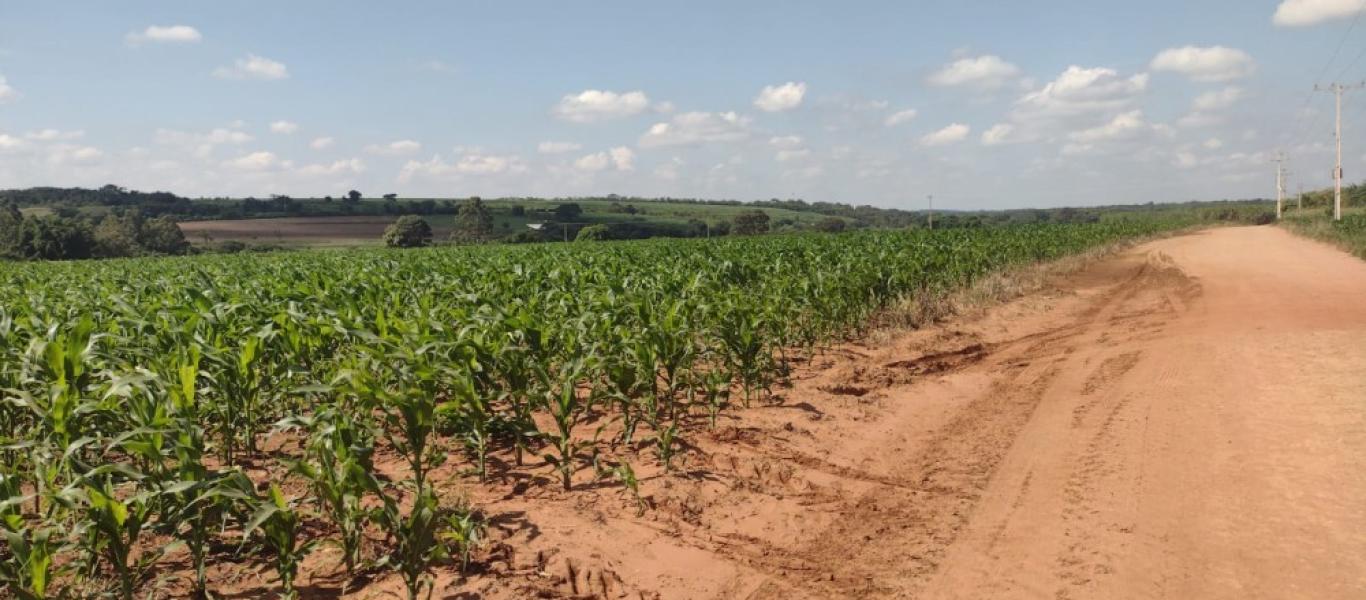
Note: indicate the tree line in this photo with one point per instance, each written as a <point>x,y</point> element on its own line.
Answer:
<point>116,234</point>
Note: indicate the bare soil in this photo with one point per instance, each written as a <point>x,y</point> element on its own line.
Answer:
<point>1184,420</point>
<point>303,230</point>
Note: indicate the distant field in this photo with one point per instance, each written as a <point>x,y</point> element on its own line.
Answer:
<point>365,230</point>
<point>302,231</point>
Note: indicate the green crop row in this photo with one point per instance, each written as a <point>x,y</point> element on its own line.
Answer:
<point>135,391</point>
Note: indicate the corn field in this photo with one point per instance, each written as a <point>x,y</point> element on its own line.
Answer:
<point>138,395</point>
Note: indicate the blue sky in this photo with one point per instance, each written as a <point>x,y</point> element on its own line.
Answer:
<point>983,104</point>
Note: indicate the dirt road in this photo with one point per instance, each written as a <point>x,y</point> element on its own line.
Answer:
<point>1186,420</point>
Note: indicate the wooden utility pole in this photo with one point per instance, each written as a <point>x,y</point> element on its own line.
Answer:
<point>1337,89</point>
<point>1280,184</point>
<point>931,198</point>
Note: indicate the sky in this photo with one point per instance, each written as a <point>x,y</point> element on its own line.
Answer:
<point>985,105</point>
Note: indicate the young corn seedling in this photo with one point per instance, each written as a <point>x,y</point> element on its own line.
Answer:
<point>115,527</point>
<point>627,476</point>
<point>416,536</point>
<point>338,466</point>
<point>566,408</point>
<point>279,523</point>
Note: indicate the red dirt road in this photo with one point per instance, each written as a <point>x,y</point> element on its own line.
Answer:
<point>1206,444</point>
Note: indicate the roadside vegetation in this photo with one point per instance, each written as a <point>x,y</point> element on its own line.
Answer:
<point>212,410</point>
<point>1315,219</point>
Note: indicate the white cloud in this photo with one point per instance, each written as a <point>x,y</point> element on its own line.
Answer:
<point>1213,143</point>
<point>1123,126</point>
<point>697,128</point>
<point>1302,13</point>
<point>1214,63</point>
<point>1217,100</point>
<point>285,127</point>
<point>170,34</point>
<point>253,67</point>
<point>600,105</point>
<point>776,98</point>
<point>1081,90</point>
<point>669,170</point>
<point>1199,119</point>
<point>985,72</point>
<point>256,161</point>
<point>623,157</point>
<point>785,141</point>
<point>395,148</point>
<point>51,135</point>
<point>341,167</point>
<point>7,92</point>
<point>557,147</point>
<point>201,144</point>
<point>64,154</point>
<point>953,133</point>
<point>469,164</point>
<point>321,143</point>
<point>791,155</point>
<point>998,134</point>
<point>438,66</point>
<point>9,142</point>
<point>899,117</point>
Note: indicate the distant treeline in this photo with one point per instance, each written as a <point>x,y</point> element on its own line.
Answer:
<point>72,201</point>
<point>116,234</point>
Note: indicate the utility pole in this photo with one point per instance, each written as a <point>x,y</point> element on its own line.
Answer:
<point>1299,198</point>
<point>1338,89</point>
<point>931,198</point>
<point>1280,183</point>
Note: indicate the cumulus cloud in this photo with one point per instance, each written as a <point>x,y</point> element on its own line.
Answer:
<point>1217,100</point>
<point>52,135</point>
<point>7,92</point>
<point>557,147</point>
<point>998,134</point>
<point>62,154</point>
<point>985,72</point>
<point>395,148</point>
<point>321,143</point>
<point>1080,90</point>
<point>469,164</point>
<point>600,105</point>
<point>953,133</point>
<point>697,128</point>
<point>621,158</point>
<point>285,127</point>
<point>342,167</point>
<point>201,144</point>
<point>10,143</point>
<point>792,154</point>
<point>1213,63</point>
<point>1302,13</point>
<point>256,161</point>
<point>169,34</point>
<point>253,67</point>
<point>776,98</point>
<point>786,142</point>
<point>1123,126</point>
<point>900,117</point>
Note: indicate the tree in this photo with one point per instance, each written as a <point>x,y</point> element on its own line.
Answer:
<point>162,236</point>
<point>11,231</point>
<point>56,238</point>
<point>409,231</point>
<point>830,225</point>
<point>117,235</point>
<point>472,221</point>
<point>568,211</point>
<point>751,222</point>
<point>518,210</point>
<point>391,196</point>
<point>594,233</point>
<point>353,196</point>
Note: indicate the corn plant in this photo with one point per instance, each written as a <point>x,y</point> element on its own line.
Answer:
<point>566,408</point>
<point>279,523</point>
<point>338,466</point>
